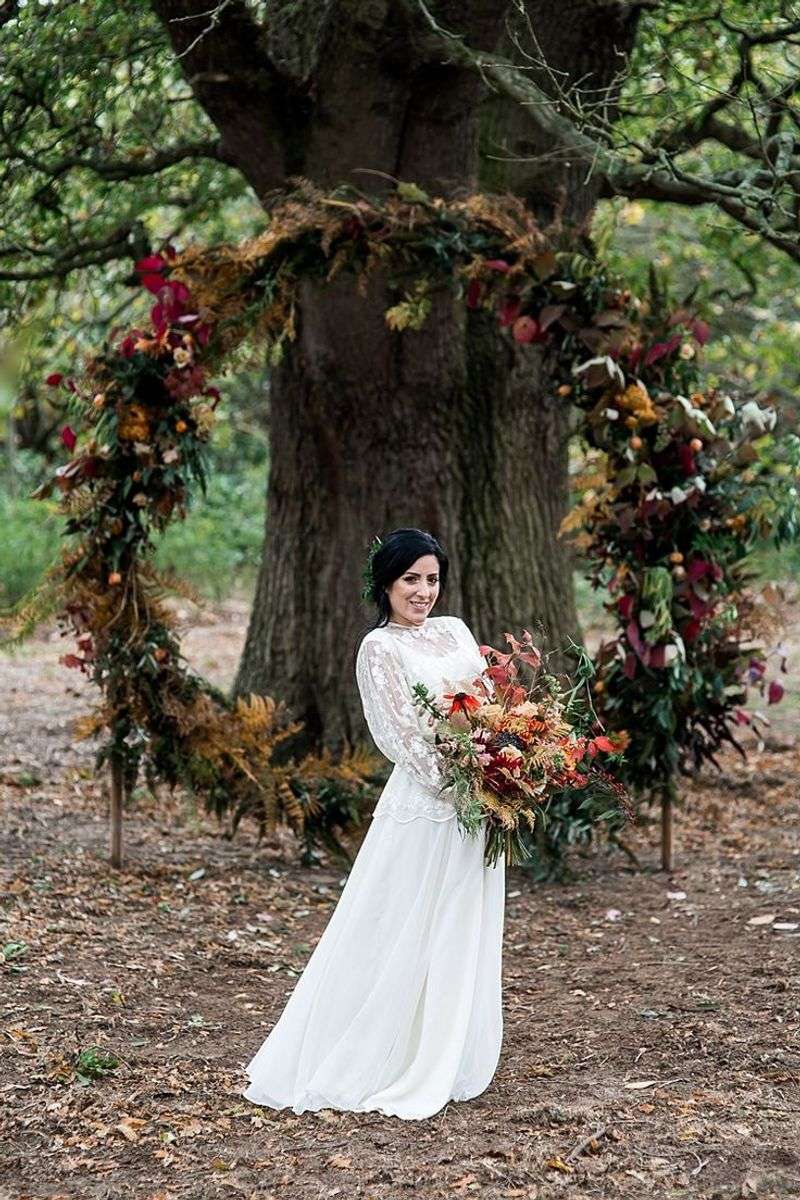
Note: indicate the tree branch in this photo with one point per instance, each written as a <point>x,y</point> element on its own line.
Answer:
<point>661,179</point>
<point>125,242</point>
<point>123,169</point>
<point>259,112</point>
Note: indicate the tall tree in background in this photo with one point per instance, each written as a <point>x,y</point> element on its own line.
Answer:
<point>450,427</point>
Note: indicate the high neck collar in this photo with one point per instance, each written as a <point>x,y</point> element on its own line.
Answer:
<point>414,630</point>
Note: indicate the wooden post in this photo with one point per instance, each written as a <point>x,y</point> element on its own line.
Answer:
<point>117,792</point>
<point>667,797</point>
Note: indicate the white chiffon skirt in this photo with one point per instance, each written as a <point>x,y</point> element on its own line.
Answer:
<point>399,1007</point>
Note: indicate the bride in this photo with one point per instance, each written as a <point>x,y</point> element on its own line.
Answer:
<point>399,1007</point>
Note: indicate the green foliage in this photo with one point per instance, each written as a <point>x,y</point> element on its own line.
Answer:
<point>746,289</point>
<point>219,546</point>
<point>216,550</point>
<point>97,84</point>
<point>31,539</point>
<point>12,951</point>
<point>84,87</point>
<point>93,1063</point>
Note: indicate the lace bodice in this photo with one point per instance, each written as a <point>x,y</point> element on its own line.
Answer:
<point>443,654</point>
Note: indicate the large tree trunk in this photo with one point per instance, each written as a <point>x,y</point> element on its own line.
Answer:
<point>452,428</point>
<point>442,429</point>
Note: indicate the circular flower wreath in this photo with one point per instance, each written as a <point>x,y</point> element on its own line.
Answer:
<point>680,485</point>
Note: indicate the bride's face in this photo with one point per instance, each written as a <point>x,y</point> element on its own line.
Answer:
<point>414,594</point>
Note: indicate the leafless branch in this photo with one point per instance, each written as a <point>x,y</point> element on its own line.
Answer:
<point>117,245</point>
<point>752,197</point>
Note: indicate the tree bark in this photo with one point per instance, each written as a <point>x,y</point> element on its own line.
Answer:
<point>373,430</point>
<point>452,428</point>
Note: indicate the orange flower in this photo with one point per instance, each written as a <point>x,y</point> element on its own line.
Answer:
<point>181,426</point>
<point>134,424</point>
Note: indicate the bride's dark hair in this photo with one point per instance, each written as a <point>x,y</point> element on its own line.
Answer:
<point>396,553</point>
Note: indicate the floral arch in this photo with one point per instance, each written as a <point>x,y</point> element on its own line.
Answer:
<point>680,482</point>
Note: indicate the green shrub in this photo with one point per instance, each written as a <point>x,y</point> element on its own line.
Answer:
<point>30,542</point>
<point>219,544</point>
<point>217,547</point>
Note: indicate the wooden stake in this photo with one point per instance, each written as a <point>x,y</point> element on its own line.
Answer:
<point>117,792</point>
<point>666,827</point>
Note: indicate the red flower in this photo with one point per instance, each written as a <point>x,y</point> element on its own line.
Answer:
<point>774,692</point>
<point>498,264</point>
<point>697,568</point>
<point>68,438</point>
<point>54,380</point>
<point>612,743</point>
<point>625,606</point>
<point>462,702</point>
<point>172,298</point>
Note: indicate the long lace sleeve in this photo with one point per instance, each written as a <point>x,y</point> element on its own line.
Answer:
<point>391,714</point>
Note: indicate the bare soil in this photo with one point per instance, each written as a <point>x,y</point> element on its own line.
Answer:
<point>651,1048</point>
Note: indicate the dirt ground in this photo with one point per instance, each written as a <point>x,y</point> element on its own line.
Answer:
<point>651,1045</point>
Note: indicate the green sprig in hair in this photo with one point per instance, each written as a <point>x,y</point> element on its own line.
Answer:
<point>368,591</point>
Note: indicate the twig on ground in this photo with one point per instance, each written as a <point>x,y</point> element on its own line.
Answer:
<point>580,1146</point>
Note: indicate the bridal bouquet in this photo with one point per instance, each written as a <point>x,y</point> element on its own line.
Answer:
<point>508,749</point>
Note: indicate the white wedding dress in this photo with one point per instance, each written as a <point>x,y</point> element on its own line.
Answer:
<point>399,1007</point>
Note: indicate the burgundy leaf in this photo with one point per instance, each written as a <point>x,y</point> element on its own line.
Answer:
<point>549,314</point>
<point>701,331</point>
<point>658,656</point>
<point>153,262</point>
<point>153,283</point>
